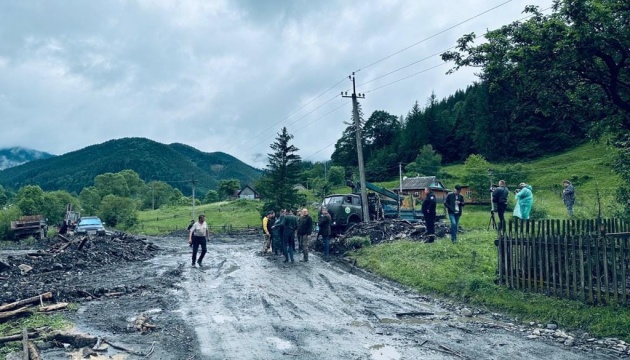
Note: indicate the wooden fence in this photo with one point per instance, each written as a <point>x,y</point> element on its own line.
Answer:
<point>584,260</point>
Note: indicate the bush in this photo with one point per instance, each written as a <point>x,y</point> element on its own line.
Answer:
<point>6,216</point>
<point>118,211</point>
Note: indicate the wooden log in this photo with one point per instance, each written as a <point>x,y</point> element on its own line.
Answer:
<point>65,246</point>
<point>53,307</point>
<point>17,337</point>
<point>122,348</point>
<point>39,253</point>
<point>63,238</point>
<point>31,300</point>
<point>25,344</point>
<point>114,294</point>
<point>415,313</point>
<point>33,352</point>
<point>5,316</point>
<point>82,243</point>
<point>76,340</point>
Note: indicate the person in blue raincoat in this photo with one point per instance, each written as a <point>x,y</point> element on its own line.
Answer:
<point>525,200</point>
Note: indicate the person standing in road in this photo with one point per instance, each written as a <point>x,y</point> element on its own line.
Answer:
<point>428,211</point>
<point>568,196</point>
<point>199,235</point>
<point>324,230</point>
<point>500,198</point>
<point>305,227</point>
<point>454,203</point>
<point>290,224</point>
<point>525,200</point>
<point>278,232</point>
<point>267,234</point>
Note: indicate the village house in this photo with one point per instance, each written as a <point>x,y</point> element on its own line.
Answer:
<point>414,186</point>
<point>247,192</point>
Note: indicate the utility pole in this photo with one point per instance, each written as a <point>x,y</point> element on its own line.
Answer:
<point>357,124</point>
<point>193,196</point>
<point>400,187</point>
<point>152,196</point>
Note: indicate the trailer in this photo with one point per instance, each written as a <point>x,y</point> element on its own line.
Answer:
<point>32,225</point>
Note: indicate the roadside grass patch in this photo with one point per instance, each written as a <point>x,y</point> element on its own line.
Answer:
<point>35,321</point>
<point>466,272</point>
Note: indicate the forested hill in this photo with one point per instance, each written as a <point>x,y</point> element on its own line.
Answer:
<point>15,156</point>
<point>175,164</point>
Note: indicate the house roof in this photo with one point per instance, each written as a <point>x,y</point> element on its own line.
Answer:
<point>420,182</point>
<point>245,187</point>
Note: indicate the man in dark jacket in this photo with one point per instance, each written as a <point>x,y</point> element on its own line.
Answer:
<point>428,211</point>
<point>305,227</point>
<point>454,203</point>
<point>289,224</point>
<point>324,224</point>
<point>568,196</point>
<point>278,232</point>
<point>500,198</point>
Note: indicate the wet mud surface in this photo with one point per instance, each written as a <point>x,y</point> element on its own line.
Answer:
<point>241,305</point>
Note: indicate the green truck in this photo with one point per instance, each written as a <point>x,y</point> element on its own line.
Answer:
<point>345,209</point>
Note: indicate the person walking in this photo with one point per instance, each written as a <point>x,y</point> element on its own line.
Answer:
<point>500,197</point>
<point>266,233</point>
<point>568,196</point>
<point>428,211</point>
<point>305,227</point>
<point>324,223</point>
<point>454,203</point>
<point>198,236</point>
<point>525,200</point>
<point>290,224</point>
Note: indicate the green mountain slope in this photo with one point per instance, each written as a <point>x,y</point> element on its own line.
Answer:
<point>175,164</point>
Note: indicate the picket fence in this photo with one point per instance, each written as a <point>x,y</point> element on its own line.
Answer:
<point>584,260</point>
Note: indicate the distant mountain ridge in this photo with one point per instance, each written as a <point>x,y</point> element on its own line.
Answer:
<point>176,164</point>
<point>14,156</point>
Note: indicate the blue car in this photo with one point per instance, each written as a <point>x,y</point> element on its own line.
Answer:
<point>90,225</point>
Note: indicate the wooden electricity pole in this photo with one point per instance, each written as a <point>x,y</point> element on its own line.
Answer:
<point>357,125</point>
<point>193,196</point>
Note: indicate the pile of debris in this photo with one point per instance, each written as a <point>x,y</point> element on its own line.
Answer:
<point>377,232</point>
<point>64,258</point>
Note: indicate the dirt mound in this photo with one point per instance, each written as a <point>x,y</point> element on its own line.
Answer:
<point>66,261</point>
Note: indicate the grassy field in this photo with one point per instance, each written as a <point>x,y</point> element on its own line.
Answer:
<point>238,213</point>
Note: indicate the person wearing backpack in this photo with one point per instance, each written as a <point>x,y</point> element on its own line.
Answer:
<point>198,236</point>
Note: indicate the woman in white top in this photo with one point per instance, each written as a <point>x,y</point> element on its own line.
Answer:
<point>199,236</point>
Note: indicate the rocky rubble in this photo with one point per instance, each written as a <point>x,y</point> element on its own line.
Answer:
<point>378,232</point>
<point>58,266</point>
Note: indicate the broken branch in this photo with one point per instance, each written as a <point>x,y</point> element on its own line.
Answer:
<point>31,300</point>
<point>4,316</point>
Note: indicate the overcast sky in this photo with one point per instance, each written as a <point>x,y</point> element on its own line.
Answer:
<point>222,75</point>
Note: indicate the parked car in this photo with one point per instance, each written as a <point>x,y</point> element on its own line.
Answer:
<point>90,225</point>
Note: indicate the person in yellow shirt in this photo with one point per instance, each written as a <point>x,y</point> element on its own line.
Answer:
<point>267,240</point>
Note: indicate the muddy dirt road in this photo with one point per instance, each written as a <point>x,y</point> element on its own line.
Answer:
<point>245,306</point>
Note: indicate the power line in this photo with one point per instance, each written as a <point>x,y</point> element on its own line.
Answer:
<point>432,55</point>
<point>432,36</point>
<point>406,77</point>
<point>298,119</point>
<point>290,114</point>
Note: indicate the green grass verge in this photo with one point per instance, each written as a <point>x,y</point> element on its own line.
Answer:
<point>466,272</point>
<point>37,320</point>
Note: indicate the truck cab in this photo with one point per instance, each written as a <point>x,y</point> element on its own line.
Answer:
<point>344,210</point>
